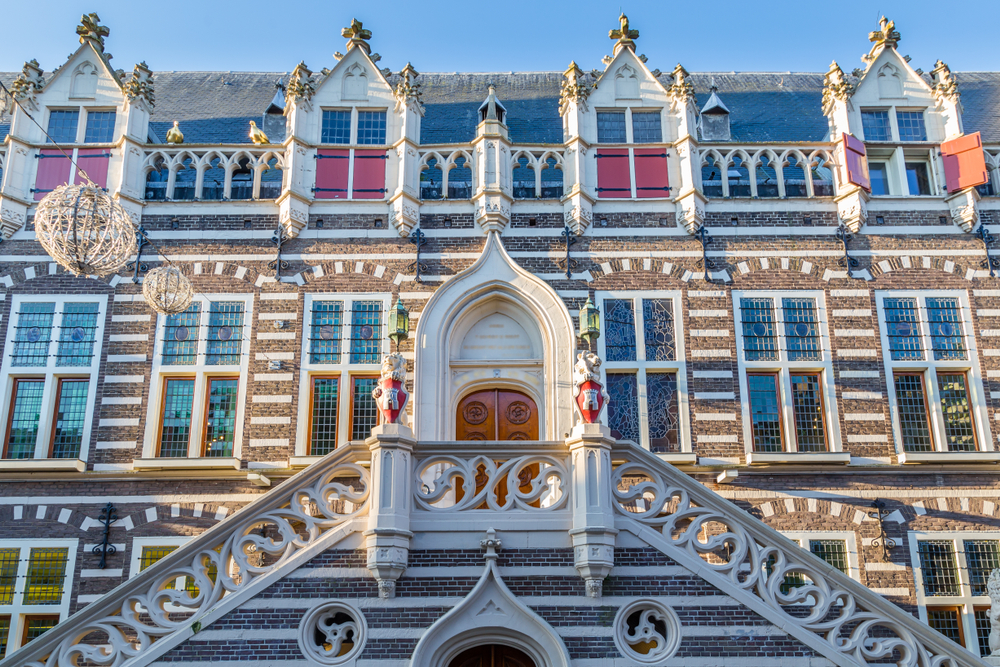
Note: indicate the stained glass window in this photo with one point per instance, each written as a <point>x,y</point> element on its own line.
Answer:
<point>947,333</point>
<point>959,433</point>
<point>151,555</point>
<point>225,333</point>
<point>220,417</point>
<point>175,431</point>
<point>366,332</point>
<point>71,409</point>
<point>765,412</point>
<point>8,574</point>
<point>938,567</point>
<point>807,411</point>
<point>903,329</point>
<point>371,127</point>
<point>623,406</point>
<point>76,334</point>
<point>180,337</point>
<point>323,420</point>
<point>26,413</point>
<point>619,327</point>
<point>912,408</point>
<point>801,329</point>
<point>46,572</point>
<point>658,329</point>
<point>661,389</point>
<point>364,412</point>
<point>336,127</point>
<point>327,323</point>
<point>33,335</point>
<point>760,342</point>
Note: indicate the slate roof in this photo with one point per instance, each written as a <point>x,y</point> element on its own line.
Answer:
<point>217,107</point>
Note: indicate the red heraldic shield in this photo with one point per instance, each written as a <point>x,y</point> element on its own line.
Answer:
<point>391,397</point>
<point>590,400</point>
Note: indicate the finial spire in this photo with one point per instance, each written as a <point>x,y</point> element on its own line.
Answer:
<point>624,35</point>
<point>90,28</point>
<point>886,34</point>
<point>357,36</point>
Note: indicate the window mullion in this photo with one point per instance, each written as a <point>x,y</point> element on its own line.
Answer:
<point>642,396</point>
<point>198,406</point>
<point>787,409</point>
<point>640,330</point>
<point>934,406</point>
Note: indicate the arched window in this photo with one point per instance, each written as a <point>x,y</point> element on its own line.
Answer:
<point>524,179</point>
<point>739,178</point>
<point>214,182</point>
<point>492,655</point>
<point>795,178</point>
<point>552,180</point>
<point>156,181</point>
<point>430,180</point>
<point>271,180</point>
<point>822,178</point>
<point>187,174</point>
<point>987,189</point>
<point>460,180</point>
<point>242,185</point>
<point>711,178</point>
<point>767,179</point>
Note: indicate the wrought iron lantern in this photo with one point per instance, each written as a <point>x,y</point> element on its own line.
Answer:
<point>85,230</point>
<point>590,322</point>
<point>167,290</point>
<point>399,323</point>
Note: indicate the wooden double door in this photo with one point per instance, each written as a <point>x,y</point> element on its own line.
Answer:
<point>492,655</point>
<point>497,414</point>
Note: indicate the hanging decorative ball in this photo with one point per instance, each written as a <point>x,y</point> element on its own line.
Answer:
<point>85,230</point>
<point>167,290</point>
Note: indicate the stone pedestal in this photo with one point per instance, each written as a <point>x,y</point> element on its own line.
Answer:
<point>388,535</point>
<point>593,531</point>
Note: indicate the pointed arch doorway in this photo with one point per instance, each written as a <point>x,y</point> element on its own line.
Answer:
<point>497,414</point>
<point>492,655</point>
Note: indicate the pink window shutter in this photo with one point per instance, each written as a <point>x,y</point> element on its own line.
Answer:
<point>964,162</point>
<point>95,162</point>
<point>856,162</point>
<point>651,178</point>
<point>53,171</point>
<point>369,174</point>
<point>613,180</point>
<point>332,167</point>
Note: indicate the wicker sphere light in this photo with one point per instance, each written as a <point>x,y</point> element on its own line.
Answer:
<point>167,290</point>
<point>86,231</point>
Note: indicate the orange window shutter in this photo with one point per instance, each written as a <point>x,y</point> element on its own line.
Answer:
<point>856,162</point>
<point>964,162</point>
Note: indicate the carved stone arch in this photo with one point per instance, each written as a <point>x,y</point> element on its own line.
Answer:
<point>355,84</point>
<point>493,281</point>
<point>924,263</point>
<point>83,84</point>
<point>177,163</point>
<point>889,83</point>
<point>657,267</point>
<point>151,162</point>
<point>441,162</point>
<point>490,614</point>
<point>544,159</point>
<point>626,83</point>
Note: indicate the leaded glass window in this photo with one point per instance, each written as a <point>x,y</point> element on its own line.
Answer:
<point>658,329</point>
<point>947,333</point>
<point>765,412</point>
<point>4,635</point>
<point>36,625</point>
<point>327,323</point>
<point>225,333</point>
<point>981,557</point>
<point>71,410</point>
<point>366,332</point>
<point>336,127</point>
<point>807,412</point>
<point>833,552</point>
<point>646,127</point>
<point>8,574</point>
<point>46,573</point>
<point>911,405</point>
<point>623,406</point>
<point>958,431</point>
<point>180,337</point>
<point>911,126</point>
<point>619,327</point>
<point>62,126</point>
<point>939,571</point>
<point>663,426</point>
<point>34,584</point>
<point>175,431</point>
<point>983,627</point>
<point>759,340</point>
<point>26,412</point>
<point>220,417</point>
<point>33,334</point>
<point>364,411</point>
<point>611,127</point>
<point>801,329</point>
<point>100,127</point>
<point>76,334</point>
<point>323,416</point>
<point>947,621</point>
<point>371,127</point>
<point>875,125</point>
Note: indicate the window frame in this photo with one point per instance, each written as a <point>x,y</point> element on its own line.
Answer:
<point>83,117</point>
<point>355,111</point>
<point>803,537</point>
<point>140,543</point>
<point>52,374</point>
<point>785,368</point>
<point>966,602</point>
<point>641,367</point>
<point>345,371</point>
<point>202,373</point>
<point>930,368</point>
<point>17,610</point>
<point>632,146</point>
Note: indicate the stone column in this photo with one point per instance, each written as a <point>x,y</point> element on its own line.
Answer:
<point>388,535</point>
<point>593,529</point>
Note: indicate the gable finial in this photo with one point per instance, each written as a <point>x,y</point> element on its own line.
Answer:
<point>90,28</point>
<point>624,35</point>
<point>357,36</point>
<point>886,34</point>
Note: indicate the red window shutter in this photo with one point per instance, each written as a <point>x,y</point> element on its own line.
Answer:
<point>856,162</point>
<point>369,174</point>
<point>651,173</point>
<point>95,162</point>
<point>53,171</point>
<point>964,162</point>
<point>613,180</point>
<point>332,167</point>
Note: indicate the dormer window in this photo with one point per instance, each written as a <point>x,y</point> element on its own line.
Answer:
<point>100,127</point>
<point>611,127</point>
<point>62,125</point>
<point>367,128</point>
<point>371,128</point>
<point>911,126</point>
<point>875,125</point>
<point>336,127</point>
<point>646,127</point>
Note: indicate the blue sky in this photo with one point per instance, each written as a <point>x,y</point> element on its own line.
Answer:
<point>518,35</point>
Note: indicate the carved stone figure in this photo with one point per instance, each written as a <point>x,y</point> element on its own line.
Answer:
<point>390,393</point>
<point>588,392</point>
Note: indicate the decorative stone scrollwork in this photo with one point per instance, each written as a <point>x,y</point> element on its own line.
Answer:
<point>836,88</point>
<point>332,633</point>
<point>681,90</point>
<point>408,90</point>
<point>27,85</point>
<point>483,483</point>
<point>574,88</point>
<point>301,86</point>
<point>140,86</point>
<point>647,631</point>
<point>945,85</point>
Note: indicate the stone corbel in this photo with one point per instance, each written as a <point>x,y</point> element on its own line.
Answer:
<point>404,212</point>
<point>852,208</point>
<point>293,213</point>
<point>964,208</point>
<point>578,212</point>
<point>691,210</point>
<point>13,215</point>
<point>492,212</point>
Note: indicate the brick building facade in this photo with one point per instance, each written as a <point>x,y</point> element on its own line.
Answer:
<point>798,458</point>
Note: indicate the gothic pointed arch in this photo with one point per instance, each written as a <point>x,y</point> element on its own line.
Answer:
<point>490,614</point>
<point>537,362</point>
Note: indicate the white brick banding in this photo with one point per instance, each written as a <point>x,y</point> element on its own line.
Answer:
<point>711,353</point>
<point>867,438</point>
<point>269,442</point>
<point>270,420</point>
<point>272,399</point>
<point>290,335</point>
<point>713,375</point>
<point>714,395</point>
<point>861,395</point>
<point>709,333</point>
<point>708,313</point>
<point>715,416</point>
<point>854,333</point>
<point>272,377</point>
<point>857,352</point>
<point>131,318</point>
<point>126,358</point>
<point>129,421</point>
<point>124,379</point>
<point>718,438</point>
<point>864,417</point>
<point>851,312</point>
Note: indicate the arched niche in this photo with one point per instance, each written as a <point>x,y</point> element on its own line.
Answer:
<point>84,82</point>
<point>889,84</point>
<point>494,325</point>
<point>626,84</point>
<point>356,83</point>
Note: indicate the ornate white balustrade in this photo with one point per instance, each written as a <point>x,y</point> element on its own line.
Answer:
<point>212,173</point>
<point>768,171</point>
<point>449,172</point>
<point>284,526</point>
